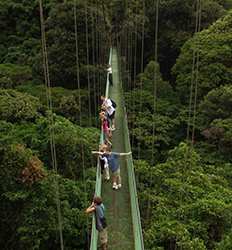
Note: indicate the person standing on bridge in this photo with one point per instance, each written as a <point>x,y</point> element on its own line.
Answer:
<point>109,106</point>
<point>98,209</point>
<point>114,165</point>
<point>113,161</point>
<point>107,134</point>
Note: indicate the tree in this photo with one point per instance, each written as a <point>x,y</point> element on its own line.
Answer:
<point>214,47</point>
<point>216,105</point>
<point>12,75</point>
<point>69,139</point>
<point>176,26</point>
<point>18,107</point>
<point>60,33</point>
<point>28,218</point>
<point>144,115</point>
<point>65,101</point>
<point>182,204</point>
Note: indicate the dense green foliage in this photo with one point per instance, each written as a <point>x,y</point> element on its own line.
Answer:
<point>214,47</point>
<point>185,192</point>
<point>12,75</point>
<point>141,118</point>
<point>15,106</point>
<point>27,193</point>
<point>28,209</point>
<point>187,205</point>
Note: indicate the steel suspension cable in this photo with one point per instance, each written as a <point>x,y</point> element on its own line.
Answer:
<point>193,88</point>
<point>98,72</point>
<point>192,77</point>
<point>101,47</point>
<point>79,98</point>
<point>191,95</point>
<point>93,60</point>
<point>196,84</point>
<point>130,61</point>
<point>98,55</point>
<point>80,109</point>
<point>143,31</point>
<point>87,59</point>
<point>77,60</point>
<point>141,81</point>
<point>130,67</point>
<point>196,78</point>
<point>125,35</point>
<point>51,122</point>
<point>134,77</point>
<point>155,79</point>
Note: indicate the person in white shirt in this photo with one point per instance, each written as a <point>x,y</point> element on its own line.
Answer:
<point>108,107</point>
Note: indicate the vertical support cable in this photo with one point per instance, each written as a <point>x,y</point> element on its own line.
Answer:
<point>87,58</point>
<point>141,81</point>
<point>97,61</point>
<point>51,122</point>
<point>134,78</point>
<point>93,60</point>
<point>80,109</point>
<point>197,75</point>
<point>155,77</point>
<point>192,77</point>
<point>192,110</point>
<point>77,61</point>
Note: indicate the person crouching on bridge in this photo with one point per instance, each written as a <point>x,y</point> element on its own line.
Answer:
<point>114,166</point>
<point>98,209</point>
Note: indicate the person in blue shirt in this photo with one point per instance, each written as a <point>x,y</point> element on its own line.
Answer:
<point>113,162</point>
<point>98,209</point>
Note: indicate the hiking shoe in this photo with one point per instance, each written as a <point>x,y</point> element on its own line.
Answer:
<point>115,186</point>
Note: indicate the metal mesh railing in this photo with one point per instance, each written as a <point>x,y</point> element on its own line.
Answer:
<point>137,227</point>
<point>94,233</point>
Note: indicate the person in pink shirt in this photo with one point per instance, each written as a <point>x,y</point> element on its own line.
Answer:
<point>105,127</point>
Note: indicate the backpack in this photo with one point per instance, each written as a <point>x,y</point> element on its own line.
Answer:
<point>114,105</point>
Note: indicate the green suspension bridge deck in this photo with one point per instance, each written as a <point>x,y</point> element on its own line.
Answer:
<point>117,202</point>
<point>122,210</point>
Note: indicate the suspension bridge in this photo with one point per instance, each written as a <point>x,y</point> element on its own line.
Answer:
<point>122,210</point>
